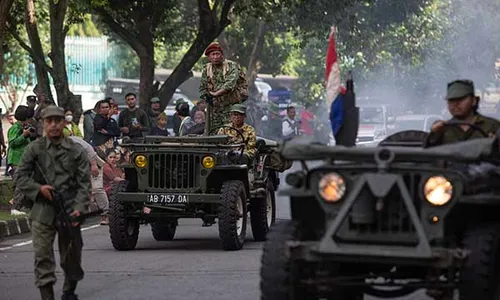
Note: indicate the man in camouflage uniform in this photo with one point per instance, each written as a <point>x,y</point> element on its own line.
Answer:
<point>238,115</point>
<point>220,85</point>
<point>66,169</point>
<point>463,106</point>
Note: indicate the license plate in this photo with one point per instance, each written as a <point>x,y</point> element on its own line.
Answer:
<point>166,199</point>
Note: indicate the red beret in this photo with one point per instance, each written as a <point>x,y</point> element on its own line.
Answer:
<point>213,47</point>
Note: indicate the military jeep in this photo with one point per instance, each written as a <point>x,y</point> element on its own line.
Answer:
<point>388,221</point>
<point>169,178</point>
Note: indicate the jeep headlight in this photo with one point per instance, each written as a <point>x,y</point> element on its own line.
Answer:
<point>332,187</point>
<point>208,162</point>
<point>438,190</point>
<point>140,161</point>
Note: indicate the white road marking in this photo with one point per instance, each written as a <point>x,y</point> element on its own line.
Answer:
<point>30,241</point>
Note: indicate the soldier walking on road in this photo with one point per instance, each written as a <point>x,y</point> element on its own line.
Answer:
<point>66,170</point>
<point>222,84</point>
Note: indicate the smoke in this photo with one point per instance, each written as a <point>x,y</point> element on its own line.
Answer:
<point>462,43</point>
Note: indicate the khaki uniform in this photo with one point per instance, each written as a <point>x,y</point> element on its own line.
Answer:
<point>452,134</point>
<point>248,133</point>
<point>214,78</point>
<point>67,168</point>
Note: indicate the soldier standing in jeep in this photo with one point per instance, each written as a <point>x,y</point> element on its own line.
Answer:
<point>222,84</point>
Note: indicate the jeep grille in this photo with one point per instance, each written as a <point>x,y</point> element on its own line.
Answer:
<point>391,225</point>
<point>174,171</point>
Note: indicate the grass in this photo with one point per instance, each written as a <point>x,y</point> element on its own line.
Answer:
<point>5,192</point>
<point>5,216</point>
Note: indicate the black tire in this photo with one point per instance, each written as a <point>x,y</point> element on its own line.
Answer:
<point>259,218</point>
<point>232,195</point>
<point>480,275</point>
<point>123,231</point>
<point>275,272</point>
<point>164,231</point>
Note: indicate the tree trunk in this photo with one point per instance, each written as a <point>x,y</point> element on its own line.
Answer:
<point>253,67</point>
<point>224,43</point>
<point>65,97</point>
<point>146,52</point>
<point>42,76</point>
<point>5,6</point>
<point>142,43</point>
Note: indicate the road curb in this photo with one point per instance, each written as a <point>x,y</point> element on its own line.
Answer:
<point>14,227</point>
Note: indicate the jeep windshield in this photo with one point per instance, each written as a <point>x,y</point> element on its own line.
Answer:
<point>468,151</point>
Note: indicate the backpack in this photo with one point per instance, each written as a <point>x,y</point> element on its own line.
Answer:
<point>240,93</point>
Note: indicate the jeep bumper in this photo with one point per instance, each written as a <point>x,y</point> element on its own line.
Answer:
<point>363,254</point>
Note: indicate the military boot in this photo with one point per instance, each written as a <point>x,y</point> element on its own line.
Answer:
<point>69,290</point>
<point>69,296</point>
<point>47,292</point>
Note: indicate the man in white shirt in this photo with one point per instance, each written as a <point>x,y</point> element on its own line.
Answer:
<point>290,125</point>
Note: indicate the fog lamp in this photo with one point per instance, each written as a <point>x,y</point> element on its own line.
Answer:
<point>332,187</point>
<point>438,190</point>
<point>208,162</point>
<point>140,161</point>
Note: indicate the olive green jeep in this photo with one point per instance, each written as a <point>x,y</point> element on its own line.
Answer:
<point>387,221</point>
<point>169,178</point>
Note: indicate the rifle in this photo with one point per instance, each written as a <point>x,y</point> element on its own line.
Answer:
<point>64,219</point>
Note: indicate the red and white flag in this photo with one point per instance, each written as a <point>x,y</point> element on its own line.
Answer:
<point>332,79</point>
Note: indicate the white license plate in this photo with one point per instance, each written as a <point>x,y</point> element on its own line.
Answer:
<point>166,199</point>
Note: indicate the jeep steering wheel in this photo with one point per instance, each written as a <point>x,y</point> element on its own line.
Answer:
<point>234,129</point>
<point>473,126</point>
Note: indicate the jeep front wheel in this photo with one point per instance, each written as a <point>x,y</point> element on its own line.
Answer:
<point>164,231</point>
<point>263,213</point>
<point>232,215</point>
<point>124,231</point>
<point>480,274</point>
<point>275,272</point>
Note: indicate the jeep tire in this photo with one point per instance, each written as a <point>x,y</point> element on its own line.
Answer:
<point>275,271</point>
<point>123,231</point>
<point>164,230</point>
<point>232,215</point>
<point>263,213</point>
<point>480,275</point>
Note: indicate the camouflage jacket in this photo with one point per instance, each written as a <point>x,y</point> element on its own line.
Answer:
<point>66,167</point>
<point>225,76</point>
<point>452,134</point>
<point>249,135</point>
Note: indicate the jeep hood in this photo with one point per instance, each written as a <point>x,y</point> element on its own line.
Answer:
<point>472,150</point>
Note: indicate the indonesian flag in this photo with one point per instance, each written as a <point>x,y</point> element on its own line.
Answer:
<point>334,90</point>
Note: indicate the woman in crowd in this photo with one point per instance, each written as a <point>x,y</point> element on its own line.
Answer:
<point>111,172</point>
<point>71,128</point>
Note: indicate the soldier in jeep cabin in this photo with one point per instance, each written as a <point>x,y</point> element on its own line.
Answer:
<point>222,84</point>
<point>238,115</point>
<point>463,105</point>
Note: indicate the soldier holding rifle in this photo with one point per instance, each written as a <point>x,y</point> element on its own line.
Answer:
<point>54,173</point>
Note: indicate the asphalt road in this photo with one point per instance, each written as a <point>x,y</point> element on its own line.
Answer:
<point>193,266</point>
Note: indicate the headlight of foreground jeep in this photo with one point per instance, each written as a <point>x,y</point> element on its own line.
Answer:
<point>332,187</point>
<point>438,190</point>
<point>208,162</point>
<point>140,161</point>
